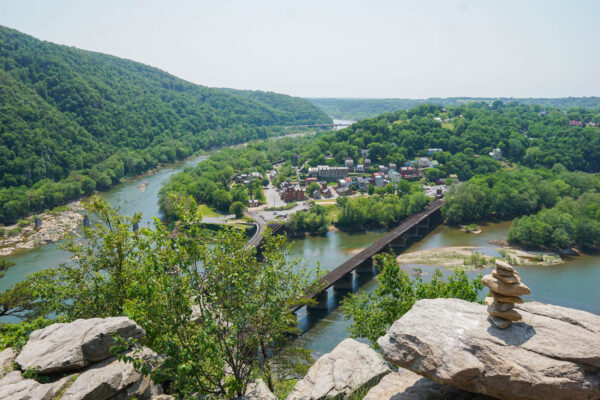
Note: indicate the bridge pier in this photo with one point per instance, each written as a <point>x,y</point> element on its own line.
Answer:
<point>399,242</point>
<point>366,267</point>
<point>321,302</point>
<point>413,232</point>
<point>346,282</point>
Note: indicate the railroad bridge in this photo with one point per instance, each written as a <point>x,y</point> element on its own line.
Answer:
<point>342,277</point>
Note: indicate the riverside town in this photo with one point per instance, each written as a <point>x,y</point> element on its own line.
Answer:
<point>269,200</point>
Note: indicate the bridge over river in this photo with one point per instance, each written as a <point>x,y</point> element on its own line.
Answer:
<point>362,263</point>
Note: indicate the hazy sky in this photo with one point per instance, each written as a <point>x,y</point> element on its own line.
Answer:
<point>347,48</point>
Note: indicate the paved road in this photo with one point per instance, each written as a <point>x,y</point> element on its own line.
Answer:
<point>261,224</point>
<point>272,196</point>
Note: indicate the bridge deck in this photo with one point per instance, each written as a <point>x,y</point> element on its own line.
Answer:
<point>350,265</point>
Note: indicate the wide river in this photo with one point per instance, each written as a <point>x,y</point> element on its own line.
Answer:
<point>576,283</point>
<point>573,284</point>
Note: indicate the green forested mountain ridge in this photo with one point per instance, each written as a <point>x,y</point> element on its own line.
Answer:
<point>73,120</point>
<point>355,109</point>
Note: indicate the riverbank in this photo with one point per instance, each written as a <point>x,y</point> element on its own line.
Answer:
<point>470,257</point>
<point>55,225</point>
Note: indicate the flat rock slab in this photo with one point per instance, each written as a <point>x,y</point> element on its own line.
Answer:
<point>72,346</point>
<point>553,353</point>
<point>349,367</point>
<point>506,289</point>
<point>406,385</point>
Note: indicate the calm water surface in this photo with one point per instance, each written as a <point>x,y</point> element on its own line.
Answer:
<point>127,196</point>
<point>572,284</point>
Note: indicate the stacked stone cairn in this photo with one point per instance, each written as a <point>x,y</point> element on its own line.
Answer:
<point>505,287</point>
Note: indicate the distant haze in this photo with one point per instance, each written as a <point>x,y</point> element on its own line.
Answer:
<point>326,48</point>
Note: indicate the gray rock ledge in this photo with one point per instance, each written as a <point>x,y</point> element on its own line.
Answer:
<point>553,353</point>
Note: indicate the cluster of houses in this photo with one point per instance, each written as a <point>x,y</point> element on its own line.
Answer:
<point>346,183</point>
<point>247,178</point>
<point>581,123</point>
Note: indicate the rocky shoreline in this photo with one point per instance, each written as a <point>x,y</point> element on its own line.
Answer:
<point>54,226</point>
<point>460,257</point>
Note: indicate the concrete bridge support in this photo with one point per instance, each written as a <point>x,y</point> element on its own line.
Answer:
<point>366,267</point>
<point>345,282</point>
<point>321,302</point>
<point>412,232</point>
<point>399,242</point>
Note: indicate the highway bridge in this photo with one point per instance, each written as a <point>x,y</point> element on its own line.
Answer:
<point>261,225</point>
<point>362,263</point>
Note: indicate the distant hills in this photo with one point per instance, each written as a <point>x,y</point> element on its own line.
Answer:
<point>355,109</point>
<point>86,119</point>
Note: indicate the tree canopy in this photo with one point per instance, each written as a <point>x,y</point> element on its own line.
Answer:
<point>72,121</point>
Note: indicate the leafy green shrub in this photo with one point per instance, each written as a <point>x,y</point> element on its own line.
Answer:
<point>24,222</point>
<point>372,313</point>
<point>16,335</point>
<point>14,231</point>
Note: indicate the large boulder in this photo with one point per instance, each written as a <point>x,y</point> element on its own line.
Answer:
<point>72,346</point>
<point>406,385</point>
<point>14,387</point>
<point>112,377</point>
<point>553,353</point>
<point>349,367</point>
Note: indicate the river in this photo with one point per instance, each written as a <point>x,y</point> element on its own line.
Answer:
<point>572,284</point>
<point>127,196</point>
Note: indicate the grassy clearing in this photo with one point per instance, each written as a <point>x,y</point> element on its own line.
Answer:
<point>207,211</point>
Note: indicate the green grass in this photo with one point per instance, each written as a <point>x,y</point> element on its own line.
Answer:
<point>332,212</point>
<point>207,211</point>
<point>58,209</point>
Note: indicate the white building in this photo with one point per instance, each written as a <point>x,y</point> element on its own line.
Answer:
<point>496,154</point>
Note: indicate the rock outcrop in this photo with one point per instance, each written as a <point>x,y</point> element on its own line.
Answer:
<point>72,346</point>
<point>14,387</point>
<point>7,357</point>
<point>406,385</point>
<point>553,353</point>
<point>258,391</point>
<point>505,288</point>
<point>349,367</point>
<point>110,377</point>
<point>77,360</point>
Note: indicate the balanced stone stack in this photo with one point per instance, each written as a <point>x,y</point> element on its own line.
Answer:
<point>505,287</point>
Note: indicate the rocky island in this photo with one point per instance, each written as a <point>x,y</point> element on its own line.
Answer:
<point>54,226</point>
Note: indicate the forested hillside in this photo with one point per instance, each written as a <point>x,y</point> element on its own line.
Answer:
<point>355,109</point>
<point>86,119</point>
<point>467,133</point>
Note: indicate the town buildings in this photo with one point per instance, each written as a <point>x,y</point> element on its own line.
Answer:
<point>291,191</point>
<point>409,173</point>
<point>327,172</point>
<point>394,176</point>
<point>349,163</point>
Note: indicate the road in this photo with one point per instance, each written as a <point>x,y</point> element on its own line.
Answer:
<point>261,224</point>
<point>272,196</point>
